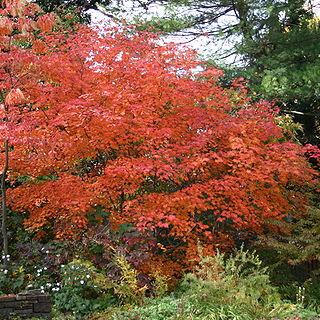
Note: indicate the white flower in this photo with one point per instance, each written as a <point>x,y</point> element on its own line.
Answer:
<point>47,251</point>
<point>5,271</point>
<point>62,266</point>
<point>42,287</point>
<point>88,276</point>
<point>81,281</point>
<point>45,268</point>
<point>49,285</point>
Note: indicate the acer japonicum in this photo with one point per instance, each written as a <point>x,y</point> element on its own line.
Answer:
<point>113,118</point>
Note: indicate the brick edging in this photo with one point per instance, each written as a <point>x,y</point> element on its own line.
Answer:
<point>26,305</point>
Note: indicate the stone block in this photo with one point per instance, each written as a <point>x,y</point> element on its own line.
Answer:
<point>42,307</point>
<point>44,298</point>
<point>32,298</point>
<point>27,302</point>
<point>6,311</point>
<point>30,292</point>
<point>27,298</point>
<point>9,298</point>
<point>39,315</point>
<point>23,312</point>
<point>11,304</point>
<point>26,306</point>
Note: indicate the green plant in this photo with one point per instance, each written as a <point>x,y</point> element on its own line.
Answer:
<point>82,289</point>
<point>167,308</point>
<point>305,314</point>
<point>127,287</point>
<point>13,277</point>
<point>160,285</point>
<point>235,285</point>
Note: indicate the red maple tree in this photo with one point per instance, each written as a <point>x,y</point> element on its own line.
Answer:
<point>113,118</point>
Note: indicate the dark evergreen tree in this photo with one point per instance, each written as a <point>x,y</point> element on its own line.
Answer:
<point>77,7</point>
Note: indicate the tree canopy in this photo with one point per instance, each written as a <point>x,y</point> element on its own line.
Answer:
<point>111,118</point>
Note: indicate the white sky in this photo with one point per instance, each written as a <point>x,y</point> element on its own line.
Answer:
<point>204,45</point>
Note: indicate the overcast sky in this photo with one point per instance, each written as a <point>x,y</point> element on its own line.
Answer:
<point>204,45</point>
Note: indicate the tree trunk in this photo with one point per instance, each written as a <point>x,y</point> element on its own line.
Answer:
<point>4,202</point>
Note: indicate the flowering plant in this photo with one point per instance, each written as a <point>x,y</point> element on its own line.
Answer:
<point>82,289</point>
<point>12,276</point>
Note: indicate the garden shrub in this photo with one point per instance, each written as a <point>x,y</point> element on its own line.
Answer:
<point>235,285</point>
<point>127,287</point>
<point>12,276</point>
<point>83,289</point>
<point>166,308</point>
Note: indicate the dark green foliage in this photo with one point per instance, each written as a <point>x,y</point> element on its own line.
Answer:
<point>294,259</point>
<point>285,68</point>
<point>76,7</point>
<point>50,5</point>
<point>12,277</point>
<point>302,244</point>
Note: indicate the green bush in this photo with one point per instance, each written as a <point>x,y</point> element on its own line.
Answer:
<point>167,308</point>
<point>221,288</point>
<point>234,287</point>
<point>82,290</point>
<point>127,287</point>
<point>312,291</point>
<point>13,278</point>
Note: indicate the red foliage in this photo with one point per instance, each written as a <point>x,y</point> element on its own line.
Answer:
<point>112,118</point>
<point>313,154</point>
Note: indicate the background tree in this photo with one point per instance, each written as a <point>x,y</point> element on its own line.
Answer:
<point>78,8</point>
<point>283,66</point>
<point>275,43</point>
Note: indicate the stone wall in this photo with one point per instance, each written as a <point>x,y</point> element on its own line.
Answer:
<point>26,305</point>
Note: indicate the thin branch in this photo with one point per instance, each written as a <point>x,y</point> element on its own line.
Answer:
<point>316,114</point>
<point>107,14</point>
